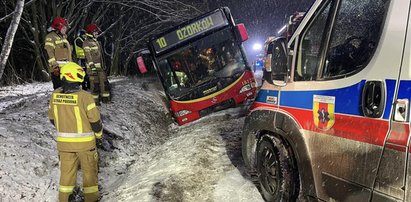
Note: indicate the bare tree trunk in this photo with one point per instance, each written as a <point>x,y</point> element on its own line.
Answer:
<point>8,41</point>
<point>39,64</point>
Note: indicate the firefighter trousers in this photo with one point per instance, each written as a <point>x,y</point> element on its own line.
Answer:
<point>69,164</point>
<point>99,85</point>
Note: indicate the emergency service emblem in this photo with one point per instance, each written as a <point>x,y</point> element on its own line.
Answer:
<point>323,111</point>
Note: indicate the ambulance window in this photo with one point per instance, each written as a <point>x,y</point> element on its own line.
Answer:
<point>310,47</point>
<point>357,30</point>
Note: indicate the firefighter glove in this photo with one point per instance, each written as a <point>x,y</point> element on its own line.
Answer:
<point>99,135</point>
<point>93,68</point>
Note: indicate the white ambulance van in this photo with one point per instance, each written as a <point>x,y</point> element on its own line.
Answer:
<point>331,121</point>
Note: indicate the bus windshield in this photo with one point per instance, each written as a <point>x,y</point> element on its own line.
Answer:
<point>202,67</point>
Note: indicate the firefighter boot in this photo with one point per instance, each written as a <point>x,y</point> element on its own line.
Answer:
<point>106,94</point>
<point>96,93</point>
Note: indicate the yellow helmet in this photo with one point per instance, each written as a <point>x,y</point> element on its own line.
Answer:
<point>72,72</point>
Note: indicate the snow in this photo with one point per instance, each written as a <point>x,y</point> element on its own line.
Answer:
<point>154,159</point>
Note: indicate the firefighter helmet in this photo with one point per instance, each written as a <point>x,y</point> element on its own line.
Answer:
<point>58,23</point>
<point>91,28</point>
<point>72,72</point>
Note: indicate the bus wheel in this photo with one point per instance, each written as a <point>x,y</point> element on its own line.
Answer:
<point>277,173</point>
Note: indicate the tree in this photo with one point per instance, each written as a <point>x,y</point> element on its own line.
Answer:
<point>8,41</point>
<point>126,26</point>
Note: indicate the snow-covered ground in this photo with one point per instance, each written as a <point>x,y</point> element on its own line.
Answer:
<point>154,159</point>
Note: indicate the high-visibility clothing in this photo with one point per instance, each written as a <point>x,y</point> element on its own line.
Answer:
<point>69,163</point>
<point>78,124</point>
<point>78,47</point>
<point>99,85</point>
<point>74,115</point>
<point>181,78</point>
<point>93,52</point>
<point>58,49</point>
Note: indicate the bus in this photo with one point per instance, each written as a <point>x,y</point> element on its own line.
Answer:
<point>202,65</point>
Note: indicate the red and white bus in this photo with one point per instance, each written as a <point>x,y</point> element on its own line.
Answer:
<point>202,65</point>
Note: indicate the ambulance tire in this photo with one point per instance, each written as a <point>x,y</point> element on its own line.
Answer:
<point>276,168</point>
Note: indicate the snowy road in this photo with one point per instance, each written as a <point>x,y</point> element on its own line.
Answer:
<point>155,159</point>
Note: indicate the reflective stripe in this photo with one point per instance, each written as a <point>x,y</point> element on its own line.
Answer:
<point>52,60</point>
<point>86,48</point>
<point>56,117</point>
<point>89,190</point>
<point>105,95</point>
<point>65,41</point>
<point>58,42</point>
<point>78,119</point>
<point>62,62</point>
<point>66,189</point>
<point>75,139</point>
<point>90,63</point>
<point>94,48</point>
<point>98,65</point>
<point>75,135</point>
<point>95,96</point>
<point>50,44</point>
<point>91,106</point>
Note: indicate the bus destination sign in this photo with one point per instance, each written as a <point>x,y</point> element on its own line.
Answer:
<point>213,21</point>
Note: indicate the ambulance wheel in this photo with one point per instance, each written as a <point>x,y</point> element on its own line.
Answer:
<point>278,175</point>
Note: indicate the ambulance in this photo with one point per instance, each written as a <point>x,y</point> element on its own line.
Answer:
<point>331,120</point>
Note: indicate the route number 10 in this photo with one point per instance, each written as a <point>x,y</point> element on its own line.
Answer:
<point>162,42</point>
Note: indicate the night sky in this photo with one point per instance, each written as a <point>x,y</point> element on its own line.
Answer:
<point>262,18</point>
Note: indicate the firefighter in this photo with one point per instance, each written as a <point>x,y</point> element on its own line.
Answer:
<point>99,85</point>
<point>58,49</point>
<point>81,58</point>
<point>209,57</point>
<point>74,114</point>
<point>182,78</point>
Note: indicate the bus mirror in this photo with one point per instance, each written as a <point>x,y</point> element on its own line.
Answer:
<point>276,70</point>
<point>141,66</point>
<point>242,31</point>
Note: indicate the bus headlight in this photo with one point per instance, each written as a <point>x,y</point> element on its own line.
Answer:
<point>245,88</point>
<point>182,113</point>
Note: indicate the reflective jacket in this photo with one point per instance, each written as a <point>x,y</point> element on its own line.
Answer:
<point>78,47</point>
<point>77,120</point>
<point>92,50</point>
<point>58,49</point>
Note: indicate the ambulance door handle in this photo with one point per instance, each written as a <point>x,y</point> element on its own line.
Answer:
<point>373,99</point>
